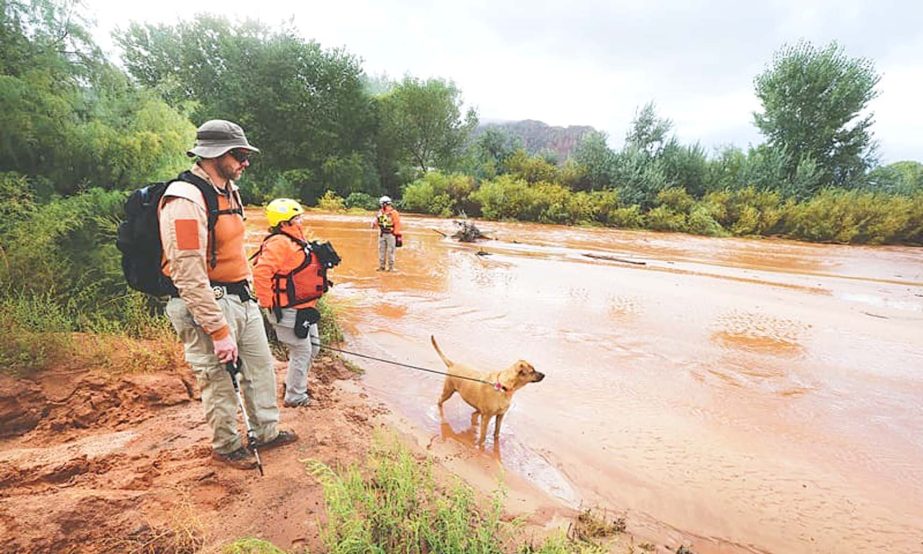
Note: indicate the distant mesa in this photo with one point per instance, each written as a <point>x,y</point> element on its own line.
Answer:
<point>538,137</point>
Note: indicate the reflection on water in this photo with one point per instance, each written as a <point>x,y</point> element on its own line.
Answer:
<point>514,456</point>
<point>760,393</point>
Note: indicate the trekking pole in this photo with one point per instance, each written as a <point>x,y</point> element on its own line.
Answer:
<point>234,368</point>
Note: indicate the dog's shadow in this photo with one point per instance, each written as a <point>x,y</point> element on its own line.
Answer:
<point>469,437</point>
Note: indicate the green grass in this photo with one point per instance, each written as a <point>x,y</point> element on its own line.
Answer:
<point>34,333</point>
<point>251,546</point>
<point>394,504</point>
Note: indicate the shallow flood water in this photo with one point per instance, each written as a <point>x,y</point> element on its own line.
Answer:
<point>759,395</point>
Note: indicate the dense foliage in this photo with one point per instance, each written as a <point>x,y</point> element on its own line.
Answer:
<point>77,132</point>
<point>813,99</point>
<point>304,106</point>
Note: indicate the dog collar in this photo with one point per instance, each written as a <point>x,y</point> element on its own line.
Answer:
<point>500,388</point>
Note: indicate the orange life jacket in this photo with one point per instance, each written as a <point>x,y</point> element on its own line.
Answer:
<point>306,282</point>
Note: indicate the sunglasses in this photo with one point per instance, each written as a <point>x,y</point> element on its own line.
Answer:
<point>240,155</point>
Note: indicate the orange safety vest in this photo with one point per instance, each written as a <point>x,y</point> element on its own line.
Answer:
<point>303,284</point>
<point>389,221</point>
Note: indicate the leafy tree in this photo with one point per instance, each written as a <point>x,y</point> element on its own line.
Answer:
<point>637,177</point>
<point>424,120</point>
<point>648,132</point>
<point>812,100</point>
<point>686,167</point>
<point>596,159</point>
<point>490,150</point>
<point>305,107</point>
<point>69,117</point>
<point>898,178</point>
<point>49,33</point>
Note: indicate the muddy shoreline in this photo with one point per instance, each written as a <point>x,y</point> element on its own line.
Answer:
<point>119,463</point>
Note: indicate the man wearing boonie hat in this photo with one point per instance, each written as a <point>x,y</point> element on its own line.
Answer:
<point>214,313</point>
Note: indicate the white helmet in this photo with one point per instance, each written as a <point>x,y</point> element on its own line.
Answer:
<point>384,200</point>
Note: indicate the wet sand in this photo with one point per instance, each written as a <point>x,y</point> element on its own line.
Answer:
<point>756,395</point>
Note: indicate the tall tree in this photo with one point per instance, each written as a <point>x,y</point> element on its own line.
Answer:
<point>597,159</point>
<point>813,101</point>
<point>489,151</point>
<point>424,118</point>
<point>69,117</point>
<point>649,132</point>
<point>304,106</point>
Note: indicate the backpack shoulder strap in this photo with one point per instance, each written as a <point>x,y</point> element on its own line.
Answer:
<point>262,244</point>
<point>299,242</point>
<point>210,195</point>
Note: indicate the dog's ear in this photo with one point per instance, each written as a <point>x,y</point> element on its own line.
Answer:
<point>523,367</point>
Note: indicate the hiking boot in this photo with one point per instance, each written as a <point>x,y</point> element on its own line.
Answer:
<point>298,403</point>
<point>283,438</point>
<point>240,458</point>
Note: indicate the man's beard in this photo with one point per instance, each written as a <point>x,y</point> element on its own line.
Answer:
<point>227,172</point>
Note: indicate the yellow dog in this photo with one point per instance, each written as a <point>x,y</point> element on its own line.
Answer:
<point>492,395</point>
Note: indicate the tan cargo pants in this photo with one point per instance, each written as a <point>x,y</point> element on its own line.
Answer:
<point>386,247</point>
<point>257,377</point>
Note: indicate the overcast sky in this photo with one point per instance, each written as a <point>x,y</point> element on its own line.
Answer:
<point>594,62</point>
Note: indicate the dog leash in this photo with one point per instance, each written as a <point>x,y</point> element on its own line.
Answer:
<point>496,385</point>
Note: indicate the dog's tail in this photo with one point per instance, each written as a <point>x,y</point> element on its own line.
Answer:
<point>446,361</point>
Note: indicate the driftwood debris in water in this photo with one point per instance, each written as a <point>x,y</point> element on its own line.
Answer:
<point>438,231</point>
<point>468,232</point>
<point>614,259</point>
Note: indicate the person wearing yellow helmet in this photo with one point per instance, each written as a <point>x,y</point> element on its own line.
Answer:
<point>282,210</point>
<point>288,280</point>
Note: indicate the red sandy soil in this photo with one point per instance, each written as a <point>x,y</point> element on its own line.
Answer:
<point>96,461</point>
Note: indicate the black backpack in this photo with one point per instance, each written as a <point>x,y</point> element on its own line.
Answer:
<point>139,235</point>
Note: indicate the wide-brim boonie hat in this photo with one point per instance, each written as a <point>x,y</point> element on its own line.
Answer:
<point>216,137</point>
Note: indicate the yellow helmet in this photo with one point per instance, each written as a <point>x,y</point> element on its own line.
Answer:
<point>282,209</point>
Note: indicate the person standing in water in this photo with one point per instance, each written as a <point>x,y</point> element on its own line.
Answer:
<point>388,221</point>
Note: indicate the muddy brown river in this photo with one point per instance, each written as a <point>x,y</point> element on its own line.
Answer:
<point>759,395</point>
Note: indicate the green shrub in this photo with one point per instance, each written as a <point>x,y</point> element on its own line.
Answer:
<point>361,200</point>
<point>700,222</point>
<point>629,217</point>
<point>17,201</point>
<point>663,218</point>
<point>912,230</point>
<point>330,331</point>
<point>64,251</point>
<point>438,194</point>
<point>856,216</point>
<point>505,197</point>
<point>35,331</point>
<point>745,211</point>
<point>532,169</point>
<point>281,188</point>
<point>676,199</point>
<point>331,202</point>
<point>400,509</point>
<point>582,207</point>
<point>552,203</point>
